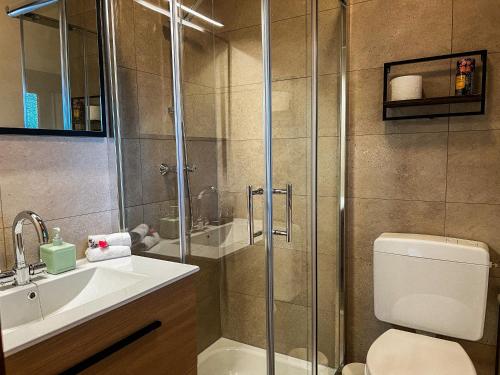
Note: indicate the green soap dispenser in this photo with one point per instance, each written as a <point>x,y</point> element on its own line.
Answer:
<point>59,256</point>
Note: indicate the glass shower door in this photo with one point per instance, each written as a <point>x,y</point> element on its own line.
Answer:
<point>226,137</point>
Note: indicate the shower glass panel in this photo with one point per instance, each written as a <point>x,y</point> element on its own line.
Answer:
<point>222,82</point>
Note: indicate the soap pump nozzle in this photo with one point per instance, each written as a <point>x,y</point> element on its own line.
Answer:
<point>56,237</point>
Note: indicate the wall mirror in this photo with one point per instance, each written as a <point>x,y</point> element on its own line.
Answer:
<point>51,81</point>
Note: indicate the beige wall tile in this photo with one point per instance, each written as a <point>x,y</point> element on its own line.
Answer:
<point>366,99</point>
<point>125,40</point>
<point>383,31</point>
<point>132,171</point>
<point>203,155</point>
<point>208,326</point>
<point>328,42</point>
<point>325,4</point>
<point>326,335</point>
<point>328,168</point>
<point>289,109</point>
<point>474,221</point>
<point>244,120</point>
<point>154,98</point>
<point>288,52</point>
<point>327,225</point>
<point>244,13</point>
<point>327,282</point>
<point>242,165</point>
<point>475,25</point>
<point>33,169</point>
<point>369,218</point>
<point>2,251</point>
<point>289,164</point>
<point>155,187</point>
<point>237,14</point>
<point>244,272</point>
<point>328,105</point>
<point>200,114</point>
<point>410,166</point>
<point>473,174</point>
<point>291,327</point>
<point>491,119</point>
<point>1,213</point>
<point>74,230</point>
<point>129,108</point>
<point>198,57</point>
<point>245,48</point>
<point>244,318</point>
<point>152,49</point>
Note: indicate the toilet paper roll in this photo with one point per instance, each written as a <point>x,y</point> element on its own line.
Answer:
<point>95,113</point>
<point>406,87</point>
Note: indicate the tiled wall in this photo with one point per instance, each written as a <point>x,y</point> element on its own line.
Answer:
<point>65,180</point>
<point>428,176</point>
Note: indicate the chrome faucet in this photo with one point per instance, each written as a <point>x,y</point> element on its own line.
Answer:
<point>22,272</point>
<point>202,222</point>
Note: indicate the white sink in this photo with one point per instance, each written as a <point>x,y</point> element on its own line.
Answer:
<point>82,287</point>
<point>19,306</point>
<point>54,303</point>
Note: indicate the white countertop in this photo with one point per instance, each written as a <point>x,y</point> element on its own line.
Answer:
<point>152,274</point>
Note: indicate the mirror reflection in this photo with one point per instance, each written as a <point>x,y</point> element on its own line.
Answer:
<point>50,78</point>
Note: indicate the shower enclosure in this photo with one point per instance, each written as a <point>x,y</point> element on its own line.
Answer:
<point>229,123</point>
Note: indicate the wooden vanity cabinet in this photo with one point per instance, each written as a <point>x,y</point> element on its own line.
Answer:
<point>155,334</point>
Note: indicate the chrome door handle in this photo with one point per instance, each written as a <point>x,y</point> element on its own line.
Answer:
<point>250,193</point>
<point>288,209</point>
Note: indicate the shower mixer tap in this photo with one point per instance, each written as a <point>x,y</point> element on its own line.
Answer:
<point>165,169</point>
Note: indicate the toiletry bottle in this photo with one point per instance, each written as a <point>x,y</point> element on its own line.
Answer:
<point>464,76</point>
<point>169,226</point>
<point>59,256</point>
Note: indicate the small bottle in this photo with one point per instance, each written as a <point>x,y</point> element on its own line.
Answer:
<point>464,76</point>
<point>59,256</point>
<point>169,226</point>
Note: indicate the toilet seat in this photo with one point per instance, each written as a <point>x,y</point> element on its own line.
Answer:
<point>403,353</point>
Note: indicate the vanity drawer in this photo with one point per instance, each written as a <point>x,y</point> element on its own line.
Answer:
<point>155,334</point>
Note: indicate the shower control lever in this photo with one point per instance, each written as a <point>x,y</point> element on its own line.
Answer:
<point>288,209</point>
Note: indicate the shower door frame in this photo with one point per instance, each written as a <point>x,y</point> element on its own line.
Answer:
<point>113,116</point>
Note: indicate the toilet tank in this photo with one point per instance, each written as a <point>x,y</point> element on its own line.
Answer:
<point>430,283</point>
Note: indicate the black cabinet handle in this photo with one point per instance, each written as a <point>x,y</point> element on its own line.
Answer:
<point>99,356</point>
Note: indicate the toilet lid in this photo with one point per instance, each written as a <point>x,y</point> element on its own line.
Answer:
<point>403,353</point>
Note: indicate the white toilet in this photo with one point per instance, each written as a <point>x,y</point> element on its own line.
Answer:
<point>433,284</point>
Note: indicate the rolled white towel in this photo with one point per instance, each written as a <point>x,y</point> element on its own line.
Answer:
<point>150,241</point>
<point>110,252</point>
<point>114,239</point>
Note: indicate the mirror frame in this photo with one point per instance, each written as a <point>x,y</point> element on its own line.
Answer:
<point>102,81</point>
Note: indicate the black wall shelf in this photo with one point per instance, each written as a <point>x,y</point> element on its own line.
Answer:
<point>435,101</point>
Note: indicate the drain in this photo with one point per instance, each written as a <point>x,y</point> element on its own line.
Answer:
<point>31,295</point>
